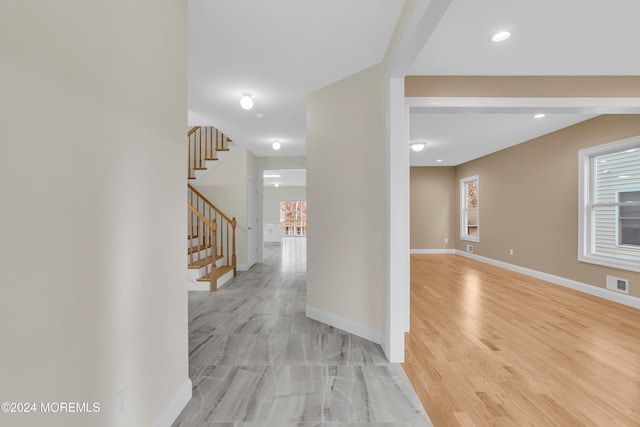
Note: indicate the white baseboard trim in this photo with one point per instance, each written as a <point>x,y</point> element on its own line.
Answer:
<point>176,406</point>
<point>242,267</point>
<point>431,251</point>
<point>351,326</point>
<point>557,280</point>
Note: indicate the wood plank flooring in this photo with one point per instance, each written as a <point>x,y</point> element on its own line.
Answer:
<point>490,347</point>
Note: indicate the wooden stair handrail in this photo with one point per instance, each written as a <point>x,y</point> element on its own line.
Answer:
<point>211,224</point>
<point>211,205</point>
<point>192,130</point>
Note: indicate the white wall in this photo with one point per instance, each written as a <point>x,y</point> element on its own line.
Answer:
<point>92,213</point>
<point>347,199</point>
<point>272,197</point>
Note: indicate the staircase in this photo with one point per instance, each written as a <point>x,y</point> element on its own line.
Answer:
<point>211,234</point>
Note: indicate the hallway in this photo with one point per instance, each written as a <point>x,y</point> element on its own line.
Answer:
<point>255,359</point>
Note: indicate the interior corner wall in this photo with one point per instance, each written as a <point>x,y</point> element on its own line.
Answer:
<point>92,212</point>
<point>529,201</point>
<point>225,185</point>
<point>433,205</point>
<point>347,199</point>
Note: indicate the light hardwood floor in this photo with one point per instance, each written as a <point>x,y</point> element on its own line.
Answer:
<point>491,347</point>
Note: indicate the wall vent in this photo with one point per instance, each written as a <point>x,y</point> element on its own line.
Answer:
<point>617,284</point>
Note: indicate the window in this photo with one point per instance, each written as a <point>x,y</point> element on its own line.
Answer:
<point>609,219</point>
<point>293,217</point>
<point>469,209</point>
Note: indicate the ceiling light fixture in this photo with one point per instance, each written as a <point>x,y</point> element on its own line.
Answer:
<point>439,160</point>
<point>501,36</point>
<point>539,116</point>
<point>276,144</point>
<point>246,101</point>
<point>277,185</point>
<point>417,146</point>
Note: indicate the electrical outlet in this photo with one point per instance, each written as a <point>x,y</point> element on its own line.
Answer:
<point>446,240</point>
<point>121,404</point>
<point>469,248</point>
<point>510,251</point>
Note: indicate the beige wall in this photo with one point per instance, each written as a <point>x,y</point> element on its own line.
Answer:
<point>225,186</point>
<point>272,197</point>
<point>523,86</point>
<point>529,201</point>
<point>92,216</point>
<point>433,202</point>
<point>347,196</point>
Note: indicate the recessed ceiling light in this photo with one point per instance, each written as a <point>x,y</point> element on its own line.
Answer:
<point>539,116</point>
<point>624,176</point>
<point>501,36</point>
<point>276,144</point>
<point>246,101</point>
<point>272,176</point>
<point>439,160</point>
<point>277,185</point>
<point>417,146</point>
<point>631,150</point>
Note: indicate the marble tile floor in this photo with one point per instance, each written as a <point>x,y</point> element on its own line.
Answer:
<point>255,359</point>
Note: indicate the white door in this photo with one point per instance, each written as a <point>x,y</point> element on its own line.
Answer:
<point>252,222</point>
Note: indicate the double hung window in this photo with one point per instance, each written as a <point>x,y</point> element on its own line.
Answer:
<point>609,195</point>
<point>470,209</point>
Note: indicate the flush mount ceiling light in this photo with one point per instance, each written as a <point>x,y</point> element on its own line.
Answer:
<point>276,144</point>
<point>246,101</point>
<point>501,36</point>
<point>439,160</point>
<point>277,185</point>
<point>539,116</point>
<point>417,146</point>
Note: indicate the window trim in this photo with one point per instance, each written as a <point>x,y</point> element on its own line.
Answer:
<point>586,186</point>
<point>463,209</point>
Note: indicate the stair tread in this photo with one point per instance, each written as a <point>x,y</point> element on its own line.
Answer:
<point>202,262</point>
<point>222,149</point>
<point>222,270</point>
<point>211,158</point>
<point>200,169</point>
<point>193,249</point>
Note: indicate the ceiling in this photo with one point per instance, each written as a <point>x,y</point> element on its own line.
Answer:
<point>459,137</point>
<point>285,177</point>
<point>282,50</point>
<point>279,51</point>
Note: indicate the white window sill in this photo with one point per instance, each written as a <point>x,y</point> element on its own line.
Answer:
<point>610,262</point>
<point>470,238</point>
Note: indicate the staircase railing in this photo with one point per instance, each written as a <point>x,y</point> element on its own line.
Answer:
<point>204,144</point>
<point>226,227</point>
<point>203,231</point>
